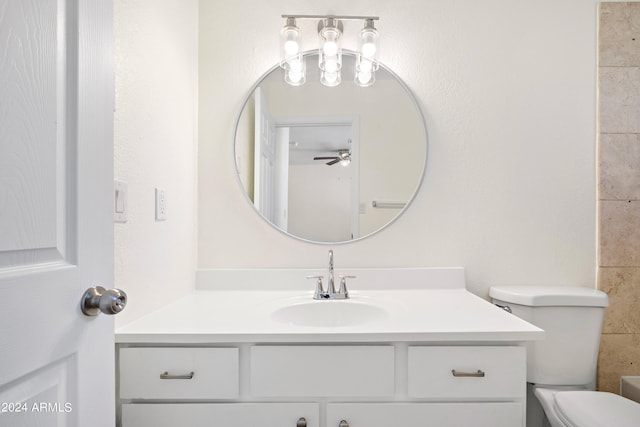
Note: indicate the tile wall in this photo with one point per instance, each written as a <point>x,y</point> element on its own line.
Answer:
<point>619,190</point>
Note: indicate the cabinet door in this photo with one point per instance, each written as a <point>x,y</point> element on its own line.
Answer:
<point>219,414</point>
<point>497,414</point>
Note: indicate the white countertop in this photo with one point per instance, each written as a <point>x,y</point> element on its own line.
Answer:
<point>245,316</point>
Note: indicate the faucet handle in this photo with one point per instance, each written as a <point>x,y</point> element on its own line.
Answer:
<point>319,289</point>
<point>343,285</point>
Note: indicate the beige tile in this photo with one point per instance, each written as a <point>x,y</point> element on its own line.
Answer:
<point>619,99</point>
<point>619,34</point>
<point>619,355</point>
<point>619,166</point>
<point>619,234</point>
<point>623,287</point>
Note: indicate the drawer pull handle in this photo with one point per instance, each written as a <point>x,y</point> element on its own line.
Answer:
<point>302,422</point>
<point>343,423</point>
<point>166,376</point>
<point>477,374</point>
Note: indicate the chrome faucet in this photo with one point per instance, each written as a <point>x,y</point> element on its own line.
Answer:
<point>331,289</point>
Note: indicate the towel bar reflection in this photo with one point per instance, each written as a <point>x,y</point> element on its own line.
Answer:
<point>388,205</point>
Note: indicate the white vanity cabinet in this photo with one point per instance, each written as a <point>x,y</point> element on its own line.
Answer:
<point>433,354</point>
<point>328,385</point>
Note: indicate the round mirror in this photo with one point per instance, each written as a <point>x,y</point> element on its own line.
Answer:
<point>330,164</point>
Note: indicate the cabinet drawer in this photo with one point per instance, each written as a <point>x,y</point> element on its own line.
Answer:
<point>480,372</point>
<point>288,371</point>
<point>493,414</point>
<point>215,373</point>
<point>219,414</point>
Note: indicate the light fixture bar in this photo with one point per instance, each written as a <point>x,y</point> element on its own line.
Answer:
<point>340,17</point>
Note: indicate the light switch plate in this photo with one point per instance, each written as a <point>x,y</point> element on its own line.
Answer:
<point>161,205</point>
<point>120,202</point>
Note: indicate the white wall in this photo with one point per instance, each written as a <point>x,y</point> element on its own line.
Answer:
<point>156,48</point>
<point>508,90</point>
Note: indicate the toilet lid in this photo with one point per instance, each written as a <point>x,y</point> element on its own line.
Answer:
<point>596,409</point>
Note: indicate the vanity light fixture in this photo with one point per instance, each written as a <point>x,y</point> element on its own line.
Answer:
<point>330,30</point>
<point>367,56</point>
<point>291,59</point>
<point>330,51</point>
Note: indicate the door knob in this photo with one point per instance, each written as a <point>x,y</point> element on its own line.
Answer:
<point>98,299</point>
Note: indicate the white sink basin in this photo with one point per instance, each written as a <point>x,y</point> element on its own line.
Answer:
<point>331,313</point>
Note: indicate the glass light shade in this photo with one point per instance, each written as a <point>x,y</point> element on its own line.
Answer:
<point>365,78</point>
<point>295,73</point>
<point>290,37</point>
<point>368,45</point>
<point>330,78</point>
<point>331,65</point>
<point>365,72</point>
<point>330,51</point>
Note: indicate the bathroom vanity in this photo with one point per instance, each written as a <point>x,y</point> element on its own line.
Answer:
<point>426,352</point>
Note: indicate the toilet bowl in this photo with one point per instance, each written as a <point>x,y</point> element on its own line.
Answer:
<point>586,408</point>
<point>562,367</point>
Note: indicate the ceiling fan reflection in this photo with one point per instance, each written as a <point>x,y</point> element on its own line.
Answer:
<point>343,157</point>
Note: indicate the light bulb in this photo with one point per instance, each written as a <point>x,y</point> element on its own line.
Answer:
<point>291,47</point>
<point>330,48</point>
<point>295,76</point>
<point>330,79</point>
<point>368,50</point>
<point>331,65</point>
<point>365,66</point>
<point>364,77</point>
<point>296,65</point>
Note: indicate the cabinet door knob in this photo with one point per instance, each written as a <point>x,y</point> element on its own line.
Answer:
<point>343,423</point>
<point>302,422</point>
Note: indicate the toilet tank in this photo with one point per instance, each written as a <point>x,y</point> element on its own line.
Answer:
<point>572,320</point>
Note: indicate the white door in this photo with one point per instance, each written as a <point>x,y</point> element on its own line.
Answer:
<point>56,197</point>
<point>264,158</point>
<point>280,188</point>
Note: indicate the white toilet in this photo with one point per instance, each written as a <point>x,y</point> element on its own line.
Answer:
<point>562,367</point>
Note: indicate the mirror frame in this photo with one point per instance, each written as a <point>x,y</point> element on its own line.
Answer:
<point>414,101</point>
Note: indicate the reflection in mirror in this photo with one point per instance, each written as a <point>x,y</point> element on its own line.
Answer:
<point>330,164</point>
